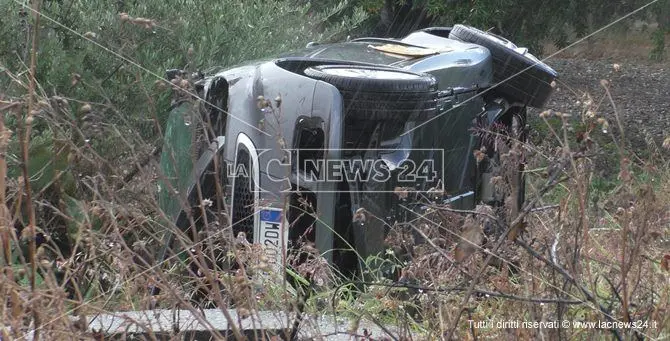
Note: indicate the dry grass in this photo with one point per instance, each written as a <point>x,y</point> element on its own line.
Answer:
<point>572,261</point>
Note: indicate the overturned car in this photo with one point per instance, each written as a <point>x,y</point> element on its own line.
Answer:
<point>331,144</point>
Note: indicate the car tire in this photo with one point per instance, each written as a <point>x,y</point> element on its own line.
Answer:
<point>517,75</point>
<point>381,93</point>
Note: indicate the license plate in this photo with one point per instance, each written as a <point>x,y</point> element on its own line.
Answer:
<point>273,236</point>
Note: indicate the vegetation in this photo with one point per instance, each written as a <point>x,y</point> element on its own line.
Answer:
<point>100,79</point>
<point>82,120</point>
<point>527,22</point>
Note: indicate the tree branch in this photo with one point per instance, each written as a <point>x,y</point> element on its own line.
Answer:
<point>589,296</point>
<point>551,183</point>
<point>450,289</point>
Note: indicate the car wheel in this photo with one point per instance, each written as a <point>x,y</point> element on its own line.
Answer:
<point>381,93</point>
<point>517,74</point>
<point>243,196</point>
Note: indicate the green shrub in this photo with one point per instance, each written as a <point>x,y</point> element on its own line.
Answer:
<point>91,53</point>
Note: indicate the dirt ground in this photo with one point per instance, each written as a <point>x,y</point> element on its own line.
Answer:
<point>640,92</point>
<point>640,88</point>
